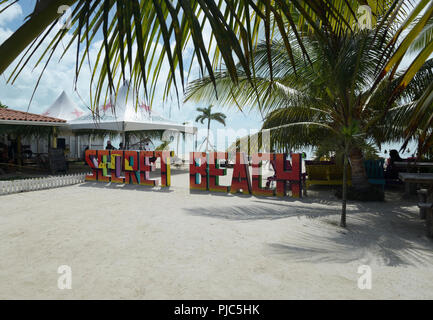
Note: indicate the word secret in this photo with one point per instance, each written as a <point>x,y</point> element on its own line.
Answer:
<point>134,167</point>
<point>128,167</point>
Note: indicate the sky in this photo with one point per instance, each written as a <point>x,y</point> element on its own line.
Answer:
<point>59,76</point>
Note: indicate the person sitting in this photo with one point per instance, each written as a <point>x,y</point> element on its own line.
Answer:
<point>109,146</point>
<point>392,170</point>
<point>121,146</point>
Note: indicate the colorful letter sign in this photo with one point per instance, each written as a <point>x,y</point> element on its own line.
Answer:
<point>215,172</point>
<point>257,187</point>
<point>288,176</point>
<point>103,165</point>
<point>129,167</point>
<point>134,167</point>
<point>205,172</point>
<point>93,164</point>
<point>146,166</point>
<point>165,166</point>
<point>198,171</point>
<point>241,181</point>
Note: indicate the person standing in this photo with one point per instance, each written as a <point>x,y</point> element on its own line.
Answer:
<point>109,146</point>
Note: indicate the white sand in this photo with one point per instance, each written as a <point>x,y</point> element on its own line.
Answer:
<point>139,243</point>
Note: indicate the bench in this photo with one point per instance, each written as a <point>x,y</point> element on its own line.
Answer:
<point>327,173</point>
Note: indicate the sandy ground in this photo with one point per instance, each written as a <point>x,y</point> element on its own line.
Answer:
<point>142,243</point>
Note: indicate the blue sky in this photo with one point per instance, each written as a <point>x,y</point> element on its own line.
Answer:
<point>59,76</point>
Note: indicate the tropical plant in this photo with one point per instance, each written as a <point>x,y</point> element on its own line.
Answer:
<point>163,146</point>
<point>3,106</point>
<point>133,32</point>
<point>207,115</point>
<point>335,97</point>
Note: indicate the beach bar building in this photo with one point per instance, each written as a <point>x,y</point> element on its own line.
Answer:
<point>19,131</point>
<point>69,130</point>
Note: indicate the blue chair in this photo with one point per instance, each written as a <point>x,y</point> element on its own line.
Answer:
<point>375,171</point>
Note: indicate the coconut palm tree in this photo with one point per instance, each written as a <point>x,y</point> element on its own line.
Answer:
<point>333,98</point>
<point>207,115</point>
<point>137,35</point>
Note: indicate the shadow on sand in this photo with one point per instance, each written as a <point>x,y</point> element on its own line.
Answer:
<point>387,234</point>
<point>120,186</point>
<point>260,211</point>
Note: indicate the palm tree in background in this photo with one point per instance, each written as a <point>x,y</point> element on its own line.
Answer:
<point>207,115</point>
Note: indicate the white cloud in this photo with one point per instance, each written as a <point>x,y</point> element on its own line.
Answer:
<point>4,34</point>
<point>10,13</point>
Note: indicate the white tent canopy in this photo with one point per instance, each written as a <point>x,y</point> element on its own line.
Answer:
<point>64,108</point>
<point>126,117</point>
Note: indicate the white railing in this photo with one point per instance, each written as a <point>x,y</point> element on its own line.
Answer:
<point>33,184</point>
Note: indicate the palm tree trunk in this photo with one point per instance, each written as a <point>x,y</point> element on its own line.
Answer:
<point>207,138</point>
<point>344,196</point>
<point>359,175</point>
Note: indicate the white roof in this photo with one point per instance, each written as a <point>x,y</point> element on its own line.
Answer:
<point>126,117</point>
<point>64,108</point>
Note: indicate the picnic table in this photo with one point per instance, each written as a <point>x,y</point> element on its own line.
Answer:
<point>413,164</point>
<point>423,179</point>
<point>414,177</point>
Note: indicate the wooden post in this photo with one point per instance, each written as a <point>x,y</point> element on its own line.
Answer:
<point>78,146</point>
<point>54,141</point>
<point>19,149</point>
